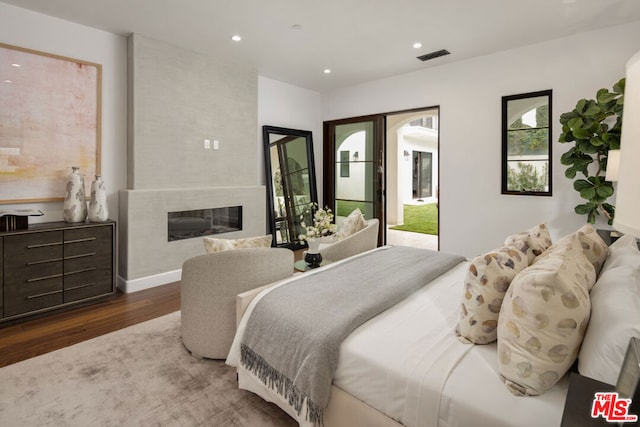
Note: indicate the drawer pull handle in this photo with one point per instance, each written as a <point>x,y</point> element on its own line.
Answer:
<point>44,261</point>
<point>88,239</point>
<point>37,279</point>
<point>45,294</point>
<point>80,286</point>
<point>80,256</point>
<point>84,270</point>
<point>43,245</point>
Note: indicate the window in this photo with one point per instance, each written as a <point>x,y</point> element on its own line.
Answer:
<point>526,144</point>
<point>344,164</point>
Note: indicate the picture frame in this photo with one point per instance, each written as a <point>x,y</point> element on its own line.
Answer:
<point>50,120</point>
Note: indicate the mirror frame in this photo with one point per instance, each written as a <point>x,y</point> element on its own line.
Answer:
<point>267,131</point>
<point>505,143</point>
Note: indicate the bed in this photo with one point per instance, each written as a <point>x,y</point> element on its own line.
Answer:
<point>405,366</point>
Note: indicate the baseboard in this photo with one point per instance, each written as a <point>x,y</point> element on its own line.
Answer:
<point>134,285</point>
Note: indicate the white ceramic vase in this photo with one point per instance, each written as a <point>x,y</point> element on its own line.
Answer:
<point>314,245</point>
<point>75,204</point>
<point>98,209</point>
<point>313,258</point>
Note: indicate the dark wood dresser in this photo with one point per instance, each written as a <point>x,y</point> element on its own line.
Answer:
<point>53,265</point>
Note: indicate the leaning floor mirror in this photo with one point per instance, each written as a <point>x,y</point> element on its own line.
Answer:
<point>291,183</point>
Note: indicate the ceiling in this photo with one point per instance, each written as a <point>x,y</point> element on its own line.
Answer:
<point>359,40</point>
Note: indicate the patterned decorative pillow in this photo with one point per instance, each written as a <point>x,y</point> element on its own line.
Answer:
<point>486,282</point>
<point>543,319</point>
<point>212,245</point>
<point>593,246</point>
<point>533,242</point>
<point>352,224</point>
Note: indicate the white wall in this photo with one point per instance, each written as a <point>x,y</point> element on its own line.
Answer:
<point>474,216</point>
<point>27,29</point>
<point>284,105</point>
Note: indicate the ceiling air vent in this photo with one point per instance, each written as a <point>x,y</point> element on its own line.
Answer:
<point>431,55</point>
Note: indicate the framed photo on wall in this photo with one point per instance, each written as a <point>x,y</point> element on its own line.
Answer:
<point>50,120</point>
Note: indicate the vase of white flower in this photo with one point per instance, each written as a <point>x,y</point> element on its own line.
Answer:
<point>322,228</point>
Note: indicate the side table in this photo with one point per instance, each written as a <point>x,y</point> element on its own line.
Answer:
<point>300,265</point>
<point>577,407</point>
<point>609,236</point>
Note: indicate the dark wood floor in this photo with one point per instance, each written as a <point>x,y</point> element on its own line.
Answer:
<point>29,338</point>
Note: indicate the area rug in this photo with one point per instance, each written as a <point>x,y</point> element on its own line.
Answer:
<point>138,376</point>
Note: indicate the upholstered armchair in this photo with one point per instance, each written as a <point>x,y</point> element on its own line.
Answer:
<point>208,292</point>
<point>353,244</point>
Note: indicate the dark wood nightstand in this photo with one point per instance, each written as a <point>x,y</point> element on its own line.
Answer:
<point>609,236</point>
<point>577,407</point>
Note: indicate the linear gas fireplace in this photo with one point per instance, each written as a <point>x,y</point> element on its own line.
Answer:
<point>204,222</point>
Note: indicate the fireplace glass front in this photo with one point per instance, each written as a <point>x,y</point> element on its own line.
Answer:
<point>204,222</point>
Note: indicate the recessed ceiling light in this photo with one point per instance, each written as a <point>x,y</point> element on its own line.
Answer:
<point>15,65</point>
<point>327,71</point>
<point>8,81</point>
<point>417,45</point>
<point>236,38</point>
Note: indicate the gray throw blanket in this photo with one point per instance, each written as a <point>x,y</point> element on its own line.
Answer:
<point>293,336</point>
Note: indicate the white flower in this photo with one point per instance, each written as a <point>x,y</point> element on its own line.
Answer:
<point>322,224</point>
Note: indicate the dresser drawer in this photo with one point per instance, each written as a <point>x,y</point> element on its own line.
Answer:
<point>88,254</point>
<point>32,272</point>
<point>87,277</point>
<point>33,296</point>
<point>26,250</point>
<point>86,241</point>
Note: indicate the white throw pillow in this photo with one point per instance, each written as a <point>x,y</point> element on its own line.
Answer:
<point>615,313</point>
<point>485,285</point>
<point>352,224</point>
<point>543,319</point>
<point>213,245</point>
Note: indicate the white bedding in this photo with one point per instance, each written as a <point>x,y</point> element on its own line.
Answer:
<point>407,363</point>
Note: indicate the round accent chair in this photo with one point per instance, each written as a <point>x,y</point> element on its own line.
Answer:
<point>208,292</point>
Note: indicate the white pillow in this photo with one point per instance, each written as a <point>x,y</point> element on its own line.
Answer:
<point>213,245</point>
<point>543,319</point>
<point>352,224</point>
<point>615,313</point>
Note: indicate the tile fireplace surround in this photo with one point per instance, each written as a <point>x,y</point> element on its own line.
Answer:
<point>146,257</point>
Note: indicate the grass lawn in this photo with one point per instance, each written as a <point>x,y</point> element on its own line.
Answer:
<point>420,219</point>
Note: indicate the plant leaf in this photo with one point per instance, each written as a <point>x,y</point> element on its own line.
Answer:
<point>604,190</point>
<point>575,123</point>
<point>604,96</point>
<point>588,193</point>
<point>583,209</point>
<point>581,184</point>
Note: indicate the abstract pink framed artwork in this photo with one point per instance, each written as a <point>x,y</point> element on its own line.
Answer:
<point>50,120</point>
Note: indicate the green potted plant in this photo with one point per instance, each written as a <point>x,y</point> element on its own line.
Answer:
<point>594,128</point>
